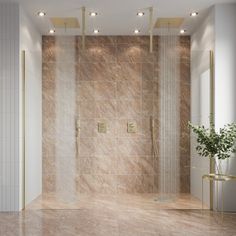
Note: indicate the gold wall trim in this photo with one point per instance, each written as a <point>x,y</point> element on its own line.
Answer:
<point>23,126</point>
<point>212,121</point>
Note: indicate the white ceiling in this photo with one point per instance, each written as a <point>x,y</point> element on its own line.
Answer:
<point>116,17</point>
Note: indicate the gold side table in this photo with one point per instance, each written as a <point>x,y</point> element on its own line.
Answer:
<point>217,178</point>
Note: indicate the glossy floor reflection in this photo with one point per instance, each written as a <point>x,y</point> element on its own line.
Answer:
<point>123,217</point>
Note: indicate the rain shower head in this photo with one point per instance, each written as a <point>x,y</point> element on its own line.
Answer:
<point>69,22</point>
<point>168,22</point>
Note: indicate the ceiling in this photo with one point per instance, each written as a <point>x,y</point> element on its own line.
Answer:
<point>115,17</point>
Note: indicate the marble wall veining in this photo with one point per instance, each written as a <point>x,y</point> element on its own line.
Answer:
<point>114,81</point>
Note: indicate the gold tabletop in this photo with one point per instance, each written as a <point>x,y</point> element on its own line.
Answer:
<point>219,177</point>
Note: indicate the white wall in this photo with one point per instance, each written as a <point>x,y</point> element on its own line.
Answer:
<point>31,42</point>
<point>202,41</point>
<point>17,33</point>
<point>225,83</point>
<point>216,32</point>
<point>9,108</point>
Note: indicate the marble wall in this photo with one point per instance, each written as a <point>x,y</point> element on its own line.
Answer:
<point>114,81</point>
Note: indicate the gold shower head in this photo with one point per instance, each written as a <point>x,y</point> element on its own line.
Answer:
<point>69,22</point>
<point>169,22</point>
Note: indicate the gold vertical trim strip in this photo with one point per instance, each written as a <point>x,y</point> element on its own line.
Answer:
<point>83,28</point>
<point>23,127</point>
<point>212,121</point>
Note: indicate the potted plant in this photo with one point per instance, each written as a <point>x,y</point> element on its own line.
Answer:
<point>215,145</point>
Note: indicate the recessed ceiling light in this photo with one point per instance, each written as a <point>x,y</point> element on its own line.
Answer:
<point>52,31</point>
<point>136,31</point>
<point>41,14</point>
<point>95,31</point>
<point>93,13</point>
<point>182,31</point>
<point>194,13</point>
<point>140,13</point>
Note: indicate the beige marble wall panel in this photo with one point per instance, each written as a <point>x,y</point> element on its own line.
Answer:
<point>86,90</point>
<point>105,184</point>
<point>135,183</point>
<point>97,71</point>
<point>49,113</point>
<point>184,114</point>
<point>129,71</point>
<point>98,165</point>
<point>98,53</point>
<point>115,80</point>
<point>104,90</point>
<point>105,109</point>
<point>139,165</point>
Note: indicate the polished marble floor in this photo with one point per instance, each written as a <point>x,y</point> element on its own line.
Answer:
<point>113,202</point>
<point>125,215</point>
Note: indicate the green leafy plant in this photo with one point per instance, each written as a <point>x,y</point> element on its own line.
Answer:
<point>214,144</point>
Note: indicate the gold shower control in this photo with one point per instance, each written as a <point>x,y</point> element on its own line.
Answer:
<point>102,127</point>
<point>132,127</point>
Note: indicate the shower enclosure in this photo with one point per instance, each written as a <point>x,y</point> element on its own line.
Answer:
<point>115,115</point>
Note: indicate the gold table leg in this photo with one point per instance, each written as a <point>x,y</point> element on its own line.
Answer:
<point>202,194</point>
<point>222,199</point>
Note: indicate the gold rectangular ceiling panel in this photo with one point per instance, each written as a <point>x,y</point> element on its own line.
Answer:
<point>68,22</point>
<point>169,22</point>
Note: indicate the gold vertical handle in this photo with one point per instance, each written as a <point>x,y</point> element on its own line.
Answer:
<point>212,90</point>
<point>212,122</point>
<point>23,126</point>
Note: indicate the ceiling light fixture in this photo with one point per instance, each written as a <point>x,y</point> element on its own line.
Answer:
<point>140,13</point>
<point>183,31</point>
<point>41,14</point>
<point>194,13</point>
<point>93,14</point>
<point>95,31</point>
<point>136,31</point>
<point>52,31</point>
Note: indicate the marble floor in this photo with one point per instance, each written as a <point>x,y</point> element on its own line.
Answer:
<point>125,215</point>
<point>113,202</point>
